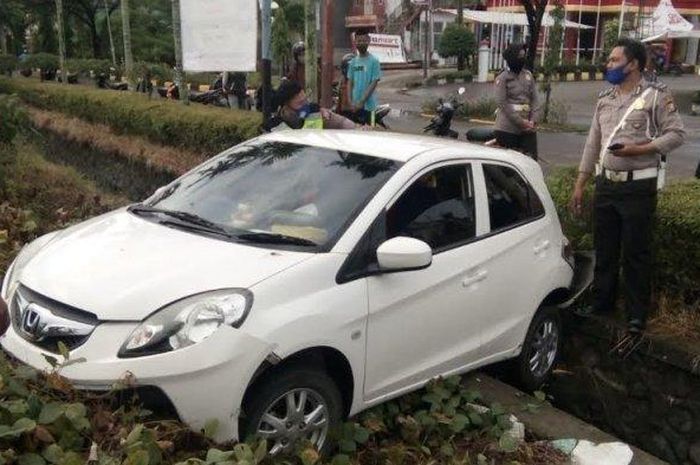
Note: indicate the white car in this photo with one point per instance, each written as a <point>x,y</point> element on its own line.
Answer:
<point>302,277</point>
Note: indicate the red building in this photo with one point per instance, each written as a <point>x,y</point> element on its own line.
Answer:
<point>596,13</point>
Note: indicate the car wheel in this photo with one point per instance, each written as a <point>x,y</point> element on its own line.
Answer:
<point>293,405</point>
<point>541,348</point>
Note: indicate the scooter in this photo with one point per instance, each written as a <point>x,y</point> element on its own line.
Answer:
<point>441,124</point>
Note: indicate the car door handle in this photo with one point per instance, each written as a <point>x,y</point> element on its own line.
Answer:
<point>541,247</point>
<point>475,278</point>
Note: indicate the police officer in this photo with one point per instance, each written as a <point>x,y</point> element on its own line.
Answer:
<point>296,112</point>
<point>635,123</point>
<point>518,104</point>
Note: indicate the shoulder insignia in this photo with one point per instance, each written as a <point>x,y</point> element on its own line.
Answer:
<point>669,104</point>
<point>606,92</point>
<point>658,85</point>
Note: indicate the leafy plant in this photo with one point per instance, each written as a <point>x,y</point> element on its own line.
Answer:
<point>456,40</point>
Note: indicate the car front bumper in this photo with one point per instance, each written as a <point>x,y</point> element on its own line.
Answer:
<point>203,382</point>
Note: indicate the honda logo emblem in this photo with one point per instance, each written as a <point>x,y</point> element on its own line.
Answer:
<point>30,323</point>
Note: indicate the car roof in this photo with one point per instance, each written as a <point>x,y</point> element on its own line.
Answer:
<point>386,144</point>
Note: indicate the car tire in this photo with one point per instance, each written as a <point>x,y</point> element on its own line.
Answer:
<point>541,349</point>
<point>270,395</point>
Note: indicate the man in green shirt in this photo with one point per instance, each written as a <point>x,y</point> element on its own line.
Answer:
<point>364,73</point>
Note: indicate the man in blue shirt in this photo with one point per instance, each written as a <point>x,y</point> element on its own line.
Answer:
<point>363,76</point>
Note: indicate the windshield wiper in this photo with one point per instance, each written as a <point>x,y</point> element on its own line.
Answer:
<point>184,218</point>
<point>272,238</point>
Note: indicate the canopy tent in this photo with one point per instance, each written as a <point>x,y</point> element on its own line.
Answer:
<point>509,19</point>
<point>667,23</point>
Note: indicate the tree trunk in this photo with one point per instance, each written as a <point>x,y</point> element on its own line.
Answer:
<point>177,36</point>
<point>534,9</point>
<point>460,21</point>
<point>311,66</point>
<point>3,36</point>
<point>128,58</point>
<point>95,38</point>
<point>111,37</point>
<point>61,42</point>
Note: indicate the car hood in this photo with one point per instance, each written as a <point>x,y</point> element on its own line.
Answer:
<point>122,267</point>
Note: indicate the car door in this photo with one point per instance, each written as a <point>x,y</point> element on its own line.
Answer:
<point>423,323</point>
<point>518,248</point>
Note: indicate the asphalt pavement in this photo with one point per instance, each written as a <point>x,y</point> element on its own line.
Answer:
<point>555,148</point>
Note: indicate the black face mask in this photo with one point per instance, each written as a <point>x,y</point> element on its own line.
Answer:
<point>516,65</point>
<point>362,49</point>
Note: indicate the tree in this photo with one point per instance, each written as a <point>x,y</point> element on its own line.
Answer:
<point>294,13</point>
<point>177,36</point>
<point>61,41</point>
<point>311,66</point>
<point>126,32</point>
<point>534,10</point>
<point>610,31</point>
<point>280,40</point>
<point>551,58</point>
<point>456,40</point>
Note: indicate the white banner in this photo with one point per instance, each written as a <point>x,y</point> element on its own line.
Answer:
<point>387,48</point>
<point>219,35</point>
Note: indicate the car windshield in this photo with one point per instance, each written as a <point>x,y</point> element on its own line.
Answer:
<point>273,193</point>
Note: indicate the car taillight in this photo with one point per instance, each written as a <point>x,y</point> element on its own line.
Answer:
<point>567,252</point>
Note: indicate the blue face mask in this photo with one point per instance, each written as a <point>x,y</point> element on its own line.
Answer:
<point>304,111</point>
<point>616,75</point>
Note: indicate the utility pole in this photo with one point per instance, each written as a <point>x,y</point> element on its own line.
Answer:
<point>61,42</point>
<point>310,57</point>
<point>177,36</point>
<point>327,47</point>
<point>266,26</point>
<point>128,58</point>
<point>111,37</point>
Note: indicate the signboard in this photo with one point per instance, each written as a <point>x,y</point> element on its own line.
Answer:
<point>387,48</point>
<point>219,35</point>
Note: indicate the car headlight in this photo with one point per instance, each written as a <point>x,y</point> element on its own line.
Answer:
<point>24,256</point>
<point>188,321</point>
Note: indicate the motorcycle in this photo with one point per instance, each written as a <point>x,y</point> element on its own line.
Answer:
<point>103,82</point>
<point>441,124</point>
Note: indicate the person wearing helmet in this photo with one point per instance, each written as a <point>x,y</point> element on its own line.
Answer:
<point>518,104</point>
<point>296,112</point>
<point>298,70</point>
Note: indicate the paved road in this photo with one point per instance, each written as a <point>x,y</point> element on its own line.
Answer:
<point>556,149</point>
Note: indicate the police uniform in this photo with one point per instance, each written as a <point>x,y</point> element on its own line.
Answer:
<point>625,192</point>
<point>518,102</point>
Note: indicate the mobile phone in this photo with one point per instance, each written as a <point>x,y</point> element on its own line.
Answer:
<point>617,146</point>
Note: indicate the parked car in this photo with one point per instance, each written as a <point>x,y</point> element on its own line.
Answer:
<point>302,277</point>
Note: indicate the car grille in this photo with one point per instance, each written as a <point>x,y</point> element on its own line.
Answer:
<point>45,322</point>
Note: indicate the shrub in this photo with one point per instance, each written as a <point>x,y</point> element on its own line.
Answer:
<point>86,66</point>
<point>677,249</point>
<point>204,129</point>
<point>456,40</point>
<point>14,119</point>
<point>46,62</point>
<point>8,63</point>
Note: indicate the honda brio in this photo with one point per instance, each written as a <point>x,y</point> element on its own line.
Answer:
<point>301,277</point>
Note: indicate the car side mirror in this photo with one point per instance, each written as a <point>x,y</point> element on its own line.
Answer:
<point>404,254</point>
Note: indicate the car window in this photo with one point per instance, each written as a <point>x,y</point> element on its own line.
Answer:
<point>306,192</point>
<point>511,199</point>
<point>438,208</point>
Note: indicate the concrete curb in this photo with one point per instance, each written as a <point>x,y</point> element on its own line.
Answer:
<point>546,422</point>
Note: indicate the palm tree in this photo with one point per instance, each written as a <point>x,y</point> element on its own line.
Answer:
<point>128,58</point>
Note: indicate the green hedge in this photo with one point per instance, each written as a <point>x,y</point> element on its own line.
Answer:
<point>205,129</point>
<point>677,234</point>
